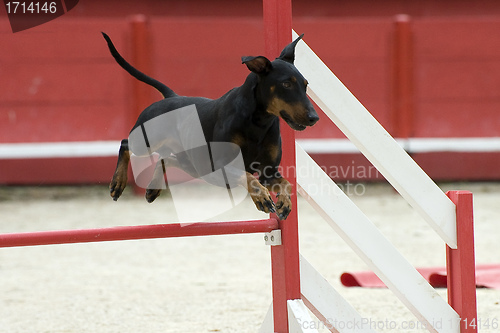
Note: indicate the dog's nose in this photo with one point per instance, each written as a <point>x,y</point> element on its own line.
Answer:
<point>312,118</point>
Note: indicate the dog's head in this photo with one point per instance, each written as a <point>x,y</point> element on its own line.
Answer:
<point>283,89</point>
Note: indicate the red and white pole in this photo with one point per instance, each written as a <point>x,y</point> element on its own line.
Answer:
<point>285,257</point>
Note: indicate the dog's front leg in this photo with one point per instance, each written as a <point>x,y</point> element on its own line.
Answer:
<point>283,190</point>
<point>259,194</point>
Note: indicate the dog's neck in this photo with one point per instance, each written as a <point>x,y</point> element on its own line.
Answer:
<point>257,121</point>
<point>262,119</point>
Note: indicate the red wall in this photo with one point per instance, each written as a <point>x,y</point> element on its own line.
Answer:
<point>59,83</point>
<point>301,8</point>
<point>457,77</point>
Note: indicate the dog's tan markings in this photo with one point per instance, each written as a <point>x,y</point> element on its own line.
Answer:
<point>293,79</point>
<point>306,82</point>
<point>299,113</point>
<point>238,140</point>
<point>276,105</point>
<point>272,89</point>
<point>296,111</point>
<point>273,151</point>
<point>120,177</point>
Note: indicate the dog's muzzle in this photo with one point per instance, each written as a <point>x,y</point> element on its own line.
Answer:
<point>309,120</point>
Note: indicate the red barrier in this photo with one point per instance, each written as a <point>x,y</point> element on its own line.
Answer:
<point>460,264</point>
<point>137,232</point>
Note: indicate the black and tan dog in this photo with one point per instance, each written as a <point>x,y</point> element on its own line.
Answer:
<point>247,116</point>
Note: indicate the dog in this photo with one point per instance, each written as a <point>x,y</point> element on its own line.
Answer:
<point>247,116</point>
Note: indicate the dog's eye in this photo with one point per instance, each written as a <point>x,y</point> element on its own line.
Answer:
<point>287,84</point>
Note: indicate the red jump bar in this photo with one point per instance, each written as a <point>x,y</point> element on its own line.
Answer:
<point>137,232</point>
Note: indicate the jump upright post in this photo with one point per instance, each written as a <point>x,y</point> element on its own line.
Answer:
<point>284,257</point>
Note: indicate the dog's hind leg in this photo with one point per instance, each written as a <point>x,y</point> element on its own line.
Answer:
<point>157,182</point>
<point>120,178</point>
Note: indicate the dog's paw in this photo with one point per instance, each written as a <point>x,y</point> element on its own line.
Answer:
<point>262,200</point>
<point>152,194</point>
<point>117,186</point>
<point>283,206</point>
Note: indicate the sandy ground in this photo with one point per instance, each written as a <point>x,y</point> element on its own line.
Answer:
<point>200,284</point>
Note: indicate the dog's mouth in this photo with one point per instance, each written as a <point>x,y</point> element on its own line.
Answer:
<point>291,123</point>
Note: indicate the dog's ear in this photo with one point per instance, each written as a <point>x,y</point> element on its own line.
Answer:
<point>288,53</point>
<point>259,65</point>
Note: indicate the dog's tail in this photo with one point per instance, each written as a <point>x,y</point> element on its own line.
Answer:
<point>163,89</point>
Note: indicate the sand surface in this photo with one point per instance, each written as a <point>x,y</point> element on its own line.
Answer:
<point>201,284</point>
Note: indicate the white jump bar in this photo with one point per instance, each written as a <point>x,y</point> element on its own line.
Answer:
<point>412,145</point>
<point>311,146</point>
<point>59,149</point>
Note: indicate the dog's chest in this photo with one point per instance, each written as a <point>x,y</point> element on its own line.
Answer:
<point>265,152</point>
